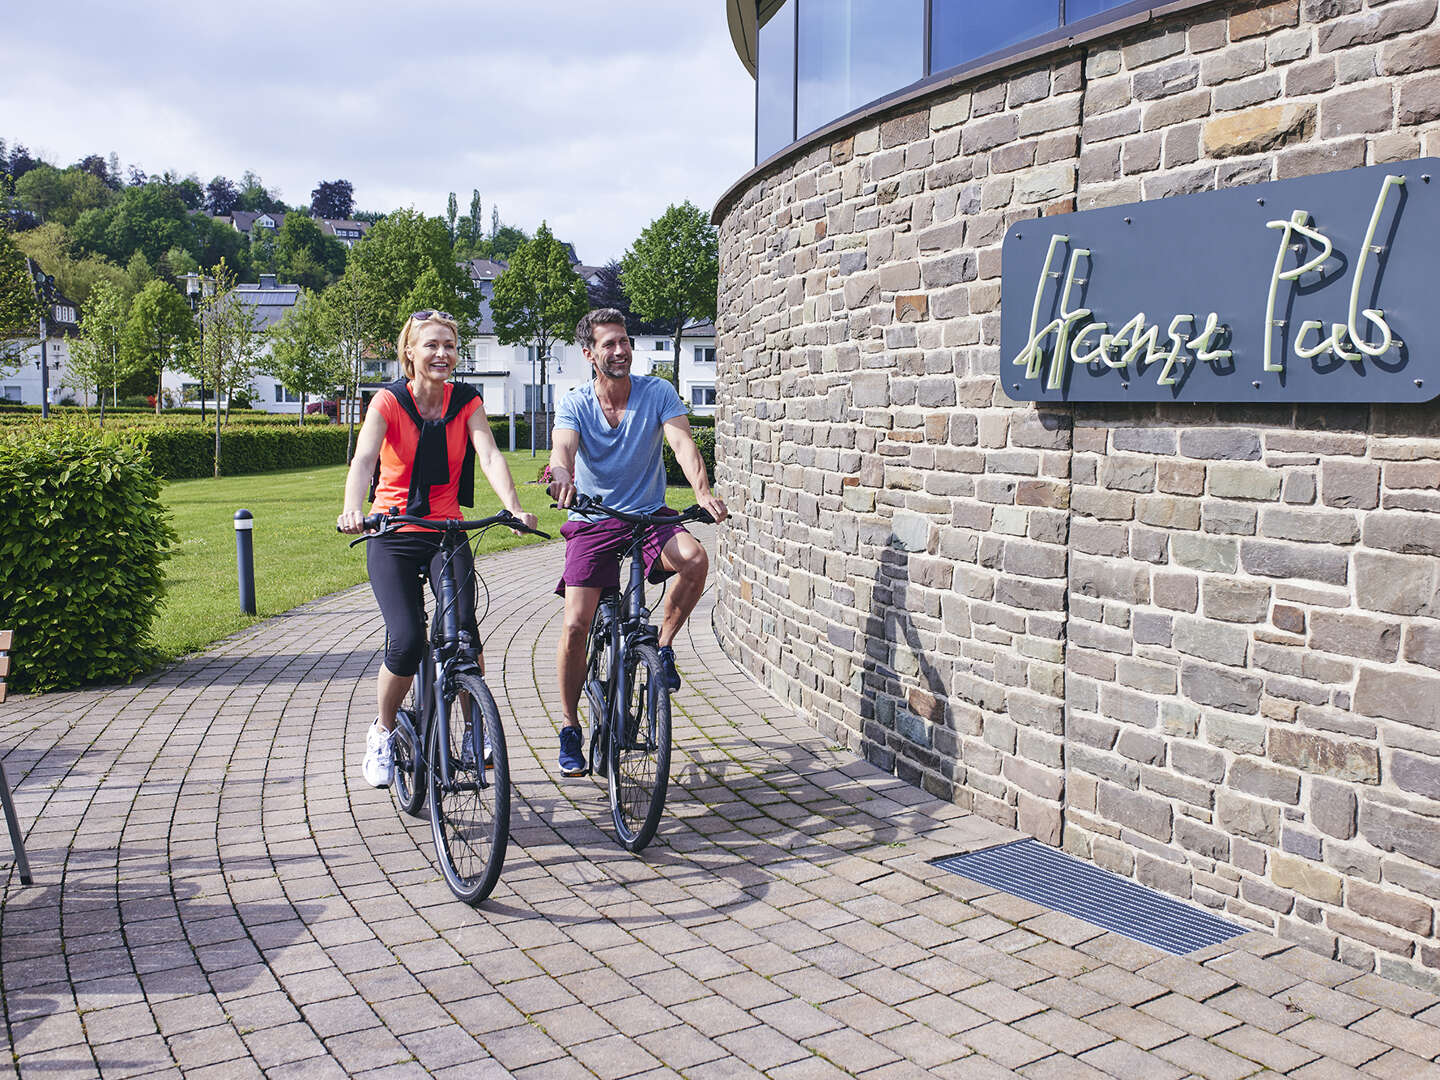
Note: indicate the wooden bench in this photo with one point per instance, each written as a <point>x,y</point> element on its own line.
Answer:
<point>11,820</point>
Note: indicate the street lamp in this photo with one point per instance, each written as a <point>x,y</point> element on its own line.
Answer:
<point>45,292</point>
<point>196,290</point>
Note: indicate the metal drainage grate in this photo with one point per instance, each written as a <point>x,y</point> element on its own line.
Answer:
<point>1036,872</point>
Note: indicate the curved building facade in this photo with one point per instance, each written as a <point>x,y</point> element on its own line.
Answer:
<point>1191,635</point>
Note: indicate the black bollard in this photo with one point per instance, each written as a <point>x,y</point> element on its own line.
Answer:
<point>245,559</point>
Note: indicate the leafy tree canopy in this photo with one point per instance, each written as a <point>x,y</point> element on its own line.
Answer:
<point>221,196</point>
<point>539,298</point>
<point>671,274</point>
<point>256,197</point>
<point>53,194</point>
<point>392,258</point>
<point>333,199</point>
<point>159,324</point>
<point>305,255</point>
<point>19,307</point>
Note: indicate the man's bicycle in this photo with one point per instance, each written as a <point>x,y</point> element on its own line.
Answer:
<point>449,745</point>
<point>625,696</point>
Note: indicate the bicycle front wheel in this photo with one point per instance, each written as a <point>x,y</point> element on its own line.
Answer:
<point>639,752</point>
<point>408,753</point>
<point>469,810</point>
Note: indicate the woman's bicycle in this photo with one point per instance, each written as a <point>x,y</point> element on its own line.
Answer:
<point>449,745</point>
<point>625,695</point>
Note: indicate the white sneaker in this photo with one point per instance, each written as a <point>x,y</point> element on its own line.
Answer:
<point>379,767</point>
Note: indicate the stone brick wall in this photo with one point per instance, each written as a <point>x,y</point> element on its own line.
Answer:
<point>1197,645</point>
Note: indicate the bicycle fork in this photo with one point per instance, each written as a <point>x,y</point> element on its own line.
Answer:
<point>441,720</point>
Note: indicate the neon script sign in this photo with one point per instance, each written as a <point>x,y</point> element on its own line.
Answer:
<point>1296,291</point>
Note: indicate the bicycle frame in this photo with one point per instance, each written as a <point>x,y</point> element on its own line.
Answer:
<point>448,653</point>
<point>627,629</point>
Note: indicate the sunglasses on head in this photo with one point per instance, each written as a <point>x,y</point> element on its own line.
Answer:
<point>421,316</point>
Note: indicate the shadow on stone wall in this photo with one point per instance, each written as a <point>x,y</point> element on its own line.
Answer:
<point>904,732</point>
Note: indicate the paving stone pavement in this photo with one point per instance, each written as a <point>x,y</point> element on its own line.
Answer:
<point>218,894</point>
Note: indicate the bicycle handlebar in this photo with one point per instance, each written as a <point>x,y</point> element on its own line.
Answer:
<point>380,524</point>
<point>592,507</point>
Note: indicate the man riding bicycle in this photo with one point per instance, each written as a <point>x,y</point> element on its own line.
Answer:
<point>607,444</point>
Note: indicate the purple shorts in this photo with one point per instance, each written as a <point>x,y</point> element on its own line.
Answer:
<point>593,550</point>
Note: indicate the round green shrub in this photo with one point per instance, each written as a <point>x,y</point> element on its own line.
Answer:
<point>83,535</point>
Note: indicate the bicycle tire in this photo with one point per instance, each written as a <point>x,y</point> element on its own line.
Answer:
<point>594,690</point>
<point>639,753</point>
<point>409,755</point>
<point>471,819</point>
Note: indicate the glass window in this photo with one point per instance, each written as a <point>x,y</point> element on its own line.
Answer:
<point>704,355</point>
<point>775,85</point>
<point>702,395</point>
<point>965,30</point>
<point>1075,10</point>
<point>12,393</point>
<point>853,52</point>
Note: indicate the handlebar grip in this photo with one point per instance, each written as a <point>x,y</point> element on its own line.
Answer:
<point>699,513</point>
<point>373,522</point>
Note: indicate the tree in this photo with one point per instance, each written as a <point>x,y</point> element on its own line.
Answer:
<point>333,199</point>
<point>473,232</point>
<point>96,359</point>
<point>160,324</point>
<point>343,310</point>
<point>504,242</point>
<point>255,196</point>
<point>303,354</point>
<point>53,195</point>
<point>537,301</point>
<point>228,344</point>
<point>221,195</point>
<point>305,255</point>
<point>19,307</point>
<point>452,211</point>
<point>672,273</point>
<point>391,258</point>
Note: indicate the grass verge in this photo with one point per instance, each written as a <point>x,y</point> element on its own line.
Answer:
<point>298,554</point>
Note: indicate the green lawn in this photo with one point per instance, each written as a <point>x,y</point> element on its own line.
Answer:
<point>298,554</point>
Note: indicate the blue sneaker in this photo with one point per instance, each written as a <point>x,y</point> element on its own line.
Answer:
<point>572,752</point>
<point>669,677</point>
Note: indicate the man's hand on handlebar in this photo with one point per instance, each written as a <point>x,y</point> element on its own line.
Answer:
<point>713,506</point>
<point>561,487</point>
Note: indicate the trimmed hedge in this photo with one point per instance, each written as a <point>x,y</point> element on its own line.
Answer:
<point>704,442</point>
<point>83,535</point>
<point>186,453</point>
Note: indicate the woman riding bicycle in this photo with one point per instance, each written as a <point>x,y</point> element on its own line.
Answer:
<point>425,433</point>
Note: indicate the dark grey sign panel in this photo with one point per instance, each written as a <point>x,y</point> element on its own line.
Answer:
<point>1322,289</point>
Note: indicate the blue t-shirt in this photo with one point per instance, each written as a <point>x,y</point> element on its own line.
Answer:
<point>621,466</point>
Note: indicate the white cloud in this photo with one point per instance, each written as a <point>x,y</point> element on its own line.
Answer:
<point>594,117</point>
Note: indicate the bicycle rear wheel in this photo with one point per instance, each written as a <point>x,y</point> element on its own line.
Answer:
<point>639,753</point>
<point>469,815</point>
<point>409,755</point>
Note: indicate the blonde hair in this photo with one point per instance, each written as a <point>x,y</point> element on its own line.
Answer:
<point>407,366</point>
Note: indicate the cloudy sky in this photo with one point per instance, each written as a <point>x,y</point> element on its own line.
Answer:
<point>592,116</point>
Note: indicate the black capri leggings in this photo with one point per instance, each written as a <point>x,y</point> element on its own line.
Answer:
<point>394,561</point>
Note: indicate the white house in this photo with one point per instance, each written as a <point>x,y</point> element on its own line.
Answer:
<point>270,301</point>
<point>508,375</point>
<point>21,378</point>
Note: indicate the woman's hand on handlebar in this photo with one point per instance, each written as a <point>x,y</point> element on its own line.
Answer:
<point>351,521</point>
